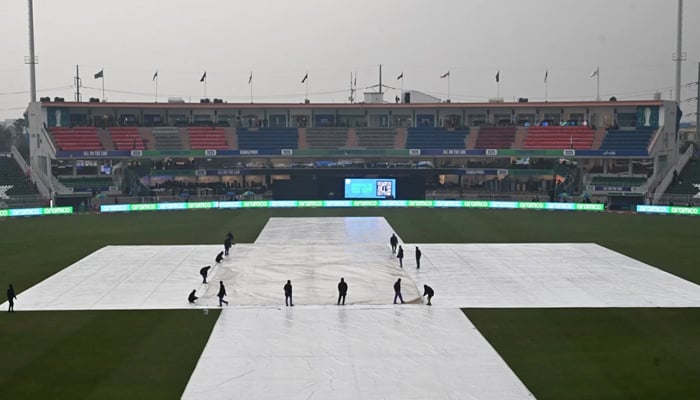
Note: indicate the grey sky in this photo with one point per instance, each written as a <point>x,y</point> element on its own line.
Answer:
<point>279,40</point>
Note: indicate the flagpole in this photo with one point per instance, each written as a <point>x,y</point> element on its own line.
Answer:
<point>250,80</point>
<point>307,88</point>
<point>103,85</point>
<point>546,91</point>
<point>205,87</point>
<point>597,93</point>
<point>156,86</point>
<point>448,86</point>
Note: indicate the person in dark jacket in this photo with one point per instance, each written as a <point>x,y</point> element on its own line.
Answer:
<point>288,294</point>
<point>11,296</point>
<point>400,256</point>
<point>219,257</point>
<point>204,272</point>
<point>418,256</point>
<point>229,236</point>
<point>221,294</point>
<point>393,241</point>
<point>192,298</point>
<point>428,291</point>
<point>227,246</point>
<point>397,291</point>
<point>342,290</point>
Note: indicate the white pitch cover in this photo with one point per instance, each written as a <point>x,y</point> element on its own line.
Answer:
<point>369,348</point>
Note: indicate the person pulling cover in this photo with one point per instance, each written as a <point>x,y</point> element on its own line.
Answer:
<point>204,272</point>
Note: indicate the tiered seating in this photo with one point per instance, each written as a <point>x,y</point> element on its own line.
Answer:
<point>495,138</point>
<point>14,179</point>
<point>376,138</point>
<point>79,138</point>
<point>637,139</point>
<point>87,184</point>
<point>688,181</point>
<point>326,138</point>
<point>126,138</point>
<point>168,138</point>
<point>612,180</point>
<point>268,138</point>
<point>559,137</point>
<point>206,138</point>
<point>435,138</point>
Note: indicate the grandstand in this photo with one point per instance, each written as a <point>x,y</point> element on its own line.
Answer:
<point>376,138</point>
<point>207,138</point>
<point>559,137</point>
<point>14,180</point>
<point>495,138</point>
<point>126,138</point>
<point>436,138</point>
<point>611,181</point>
<point>459,149</point>
<point>326,138</point>
<point>687,182</point>
<point>628,139</point>
<point>268,138</point>
<point>79,138</point>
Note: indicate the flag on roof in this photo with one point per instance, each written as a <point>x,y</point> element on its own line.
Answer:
<point>100,74</point>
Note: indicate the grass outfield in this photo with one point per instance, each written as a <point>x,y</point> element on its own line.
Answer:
<point>101,354</point>
<point>602,354</point>
<point>33,249</point>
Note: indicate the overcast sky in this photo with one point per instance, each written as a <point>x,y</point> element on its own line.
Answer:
<point>280,40</point>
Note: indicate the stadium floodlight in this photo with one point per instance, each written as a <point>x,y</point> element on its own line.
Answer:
<point>31,60</point>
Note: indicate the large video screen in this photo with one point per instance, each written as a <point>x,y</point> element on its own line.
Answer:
<point>364,188</point>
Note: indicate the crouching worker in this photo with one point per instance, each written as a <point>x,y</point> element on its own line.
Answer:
<point>428,291</point>
<point>192,298</point>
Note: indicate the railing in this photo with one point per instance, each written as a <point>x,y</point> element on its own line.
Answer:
<point>59,187</point>
<point>668,179</point>
<point>48,139</point>
<point>654,139</point>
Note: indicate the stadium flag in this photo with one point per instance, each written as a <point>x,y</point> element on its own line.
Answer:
<point>155,75</point>
<point>305,78</point>
<point>596,72</point>
<point>400,76</point>
<point>250,78</point>
<point>498,76</point>
<point>445,75</point>
<point>546,75</point>
<point>100,74</point>
<point>204,77</point>
<point>355,84</point>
